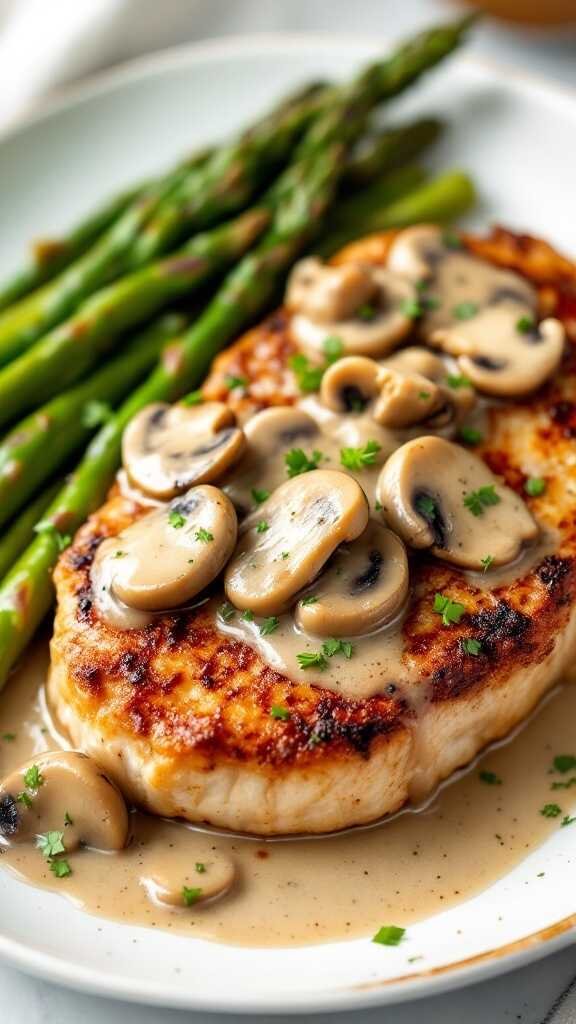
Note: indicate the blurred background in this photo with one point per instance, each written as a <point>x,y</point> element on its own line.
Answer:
<point>47,44</point>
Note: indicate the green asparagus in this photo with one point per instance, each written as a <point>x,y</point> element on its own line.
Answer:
<point>70,350</point>
<point>391,149</point>
<point>40,444</point>
<point>21,532</point>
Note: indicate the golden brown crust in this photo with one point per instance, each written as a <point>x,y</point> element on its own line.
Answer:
<point>137,680</point>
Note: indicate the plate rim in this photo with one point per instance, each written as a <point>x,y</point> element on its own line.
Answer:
<point>504,958</point>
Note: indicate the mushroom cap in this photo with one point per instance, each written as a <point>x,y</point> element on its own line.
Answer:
<point>374,336</point>
<point>166,449</point>
<point>74,787</point>
<point>413,250</point>
<point>364,587</point>
<point>425,489</point>
<point>165,884</point>
<point>350,383</point>
<point>325,293</point>
<point>307,518</point>
<point>407,398</point>
<point>171,554</point>
<point>417,360</point>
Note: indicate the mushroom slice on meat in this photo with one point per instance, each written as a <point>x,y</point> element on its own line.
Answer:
<point>350,384</point>
<point>166,449</point>
<point>305,519</point>
<point>366,307</point>
<point>365,587</point>
<point>438,495</point>
<point>460,400</point>
<point>171,554</point>
<point>481,314</point>
<point>73,795</point>
<point>405,399</point>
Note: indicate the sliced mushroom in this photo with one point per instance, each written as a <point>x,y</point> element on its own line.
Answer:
<point>479,313</point>
<point>175,885</point>
<point>408,398</point>
<point>171,554</point>
<point>167,448</point>
<point>366,307</point>
<point>73,796</point>
<point>460,400</point>
<point>365,587</point>
<point>306,519</point>
<point>350,384</point>
<point>269,435</point>
<point>437,495</point>
<point>416,359</point>
<point>327,293</point>
<point>499,358</point>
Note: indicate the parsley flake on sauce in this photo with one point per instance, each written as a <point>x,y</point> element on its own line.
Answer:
<point>190,896</point>
<point>389,935</point>
<point>486,562</point>
<point>226,611</point>
<point>332,647</point>
<point>469,435</point>
<point>51,844</point>
<point>269,625</point>
<point>551,811</point>
<point>465,310</point>
<point>564,763</point>
<point>458,380</point>
<point>308,375</point>
<point>359,458</point>
<point>259,495</point>
<point>312,659</point>
<point>490,778</point>
<point>60,868</point>
<point>298,462</point>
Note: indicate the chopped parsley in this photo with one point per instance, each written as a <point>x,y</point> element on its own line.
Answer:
<point>190,896</point>
<point>312,659</point>
<point>48,529</point>
<point>248,615</point>
<point>451,611</point>
<point>470,435</point>
<point>176,519</point>
<point>567,820</point>
<point>551,811</point>
<point>471,646</point>
<point>451,240</point>
<point>358,458</point>
<point>465,310</point>
<point>564,763</point>
<point>297,461</point>
<point>226,611</point>
<point>204,536</point>
<point>458,380</point>
<point>477,501</point>
<point>193,398</point>
<point>525,324</point>
<point>262,526</point>
<point>200,867</point>
<point>389,935</point>
<point>367,312</point>
<point>308,375</point>
<point>277,711</point>
<point>60,868</point>
<point>25,799</point>
<point>564,785</point>
<point>67,819</point>
<point>119,554</point>
<point>259,495</point>
<point>333,347</point>
<point>411,308</point>
<point>332,647</point>
<point>309,600</point>
<point>51,844</point>
<point>486,562</point>
<point>490,778</point>
<point>269,625</point>
<point>9,737</point>
<point>535,486</point>
<point>285,554</point>
<point>233,382</point>
<point>378,506</point>
<point>424,395</point>
<point>95,413</point>
<point>33,777</point>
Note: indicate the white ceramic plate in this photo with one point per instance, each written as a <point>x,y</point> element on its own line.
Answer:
<point>517,136</point>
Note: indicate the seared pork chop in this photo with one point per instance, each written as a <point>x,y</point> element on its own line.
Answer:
<point>179,712</point>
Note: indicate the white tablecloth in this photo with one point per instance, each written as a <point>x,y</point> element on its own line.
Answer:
<point>115,34</point>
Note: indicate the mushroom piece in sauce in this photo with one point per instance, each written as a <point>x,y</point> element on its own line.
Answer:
<point>171,554</point>
<point>437,495</point>
<point>72,795</point>
<point>305,519</point>
<point>418,360</point>
<point>365,587</point>
<point>174,888</point>
<point>166,449</point>
<point>479,313</point>
<point>366,307</point>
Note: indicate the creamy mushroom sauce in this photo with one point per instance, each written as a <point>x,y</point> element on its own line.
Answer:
<point>285,893</point>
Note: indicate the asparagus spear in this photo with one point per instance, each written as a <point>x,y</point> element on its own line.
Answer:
<point>41,443</point>
<point>67,352</point>
<point>21,532</point>
<point>53,255</point>
<point>441,200</point>
<point>391,149</point>
<point>27,592</point>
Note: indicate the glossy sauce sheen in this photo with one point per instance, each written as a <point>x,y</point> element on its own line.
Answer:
<point>305,891</point>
